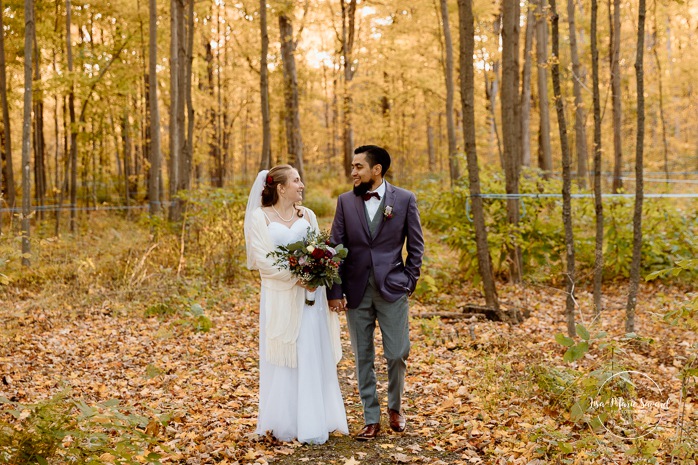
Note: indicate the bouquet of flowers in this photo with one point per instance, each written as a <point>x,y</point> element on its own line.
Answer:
<point>313,260</point>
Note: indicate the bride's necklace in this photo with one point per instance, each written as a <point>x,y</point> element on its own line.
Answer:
<point>281,217</point>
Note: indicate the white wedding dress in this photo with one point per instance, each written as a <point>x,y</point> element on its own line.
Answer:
<point>305,402</point>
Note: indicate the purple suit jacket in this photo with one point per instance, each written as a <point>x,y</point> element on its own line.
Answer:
<point>382,253</point>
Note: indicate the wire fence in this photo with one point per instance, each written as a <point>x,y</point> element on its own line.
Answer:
<point>522,197</point>
<point>70,207</point>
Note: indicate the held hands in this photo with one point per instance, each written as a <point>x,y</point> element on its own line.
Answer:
<point>337,305</point>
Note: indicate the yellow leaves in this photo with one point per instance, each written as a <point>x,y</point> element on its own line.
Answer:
<point>450,402</point>
<point>251,454</point>
<point>107,458</point>
<point>474,404</point>
<point>401,458</point>
<point>153,428</point>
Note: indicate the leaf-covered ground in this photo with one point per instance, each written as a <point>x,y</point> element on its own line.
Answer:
<point>472,394</point>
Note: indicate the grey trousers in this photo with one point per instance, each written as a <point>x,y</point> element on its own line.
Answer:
<point>393,319</point>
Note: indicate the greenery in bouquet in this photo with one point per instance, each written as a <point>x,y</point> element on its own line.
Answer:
<point>314,260</point>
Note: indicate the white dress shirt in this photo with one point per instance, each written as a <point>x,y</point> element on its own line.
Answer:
<point>373,203</point>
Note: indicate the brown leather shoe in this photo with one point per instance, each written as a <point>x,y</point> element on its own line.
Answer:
<point>397,421</point>
<point>368,432</point>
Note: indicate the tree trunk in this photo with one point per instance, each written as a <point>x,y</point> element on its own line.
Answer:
<point>467,87</point>
<point>215,169</point>
<point>526,89</point>
<point>598,201</point>
<point>6,168</point>
<point>348,34</point>
<point>491,92</point>
<point>66,166</point>
<point>291,112</point>
<point>545,158</point>
<point>665,145</point>
<point>155,151</point>
<point>220,137</point>
<point>265,161</point>
<point>566,173</point>
<point>431,149</point>
<point>225,110</point>
<point>511,125</point>
<point>327,107</point>
<point>126,141</point>
<point>182,149</point>
<point>29,32</point>
<point>670,64</point>
<point>579,117</point>
<point>639,186</point>
<point>615,97</point>
<point>335,117</point>
<point>187,59</point>
<point>175,129</point>
<point>73,123</point>
<point>38,136</point>
<point>453,168</point>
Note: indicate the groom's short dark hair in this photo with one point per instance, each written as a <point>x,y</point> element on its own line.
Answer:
<point>375,156</point>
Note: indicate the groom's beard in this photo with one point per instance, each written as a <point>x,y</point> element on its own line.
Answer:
<point>362,188</point>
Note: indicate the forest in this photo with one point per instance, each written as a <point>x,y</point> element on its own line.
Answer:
<point>552,147</point>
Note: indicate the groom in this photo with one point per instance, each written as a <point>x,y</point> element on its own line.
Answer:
<point>374,222</point>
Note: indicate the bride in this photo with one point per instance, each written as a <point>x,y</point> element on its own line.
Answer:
<point>299,346</point>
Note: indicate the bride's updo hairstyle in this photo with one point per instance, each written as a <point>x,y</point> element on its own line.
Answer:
<point>277,175</point>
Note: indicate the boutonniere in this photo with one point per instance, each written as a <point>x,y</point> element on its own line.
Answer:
<point>388,212</point>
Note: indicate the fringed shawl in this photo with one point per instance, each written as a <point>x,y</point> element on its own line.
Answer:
<point>284,299</point>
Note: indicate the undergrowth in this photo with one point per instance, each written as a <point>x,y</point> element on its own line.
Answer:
<point>668,229</point>
<point>63,430</point>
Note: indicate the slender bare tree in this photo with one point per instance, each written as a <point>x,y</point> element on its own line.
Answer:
<point>566,173</point>
<point>347,43</point>
<point>155,151</point>
<point>545,157</point>
<point>662,118</point>
<point>639,173</point>
<point>616,97</point>
<point>39,142</point>
<point>6,166</point>
<point>187,60</point>
<point>29,29</point>
<point>175,129</point>
<point>467,87</point>
<point>453,168</point>
<point>598,201</point>
<point>511,125</point>
<point>73,121</point>
<point>526,88</point>
<point>265,159</point>
<point>214,143</point>
<point>294,140</point>
<point>580,140</point>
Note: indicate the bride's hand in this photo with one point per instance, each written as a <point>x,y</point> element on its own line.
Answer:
<point>306,286</point>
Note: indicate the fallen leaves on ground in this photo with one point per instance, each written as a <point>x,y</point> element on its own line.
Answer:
<point>470,394</point>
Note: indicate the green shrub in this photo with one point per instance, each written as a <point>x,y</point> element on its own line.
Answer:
<point>65,430</point>
<point>213,232</point>
<point>320,203</point>
<point>668,230</point>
